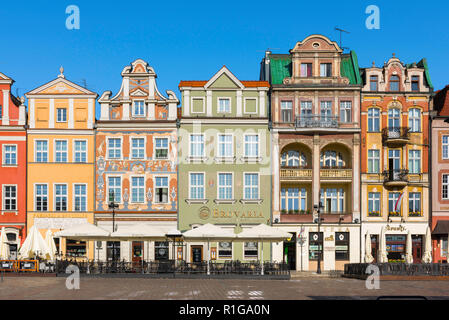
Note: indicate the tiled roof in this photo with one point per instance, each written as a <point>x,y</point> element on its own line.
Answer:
<point>247,84</point>
<point>441,102</point>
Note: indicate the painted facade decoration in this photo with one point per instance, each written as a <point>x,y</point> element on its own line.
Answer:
<point>60,160</point>
<point>395,153</point>
<point>315,116</point>
<point>136,158</point>
<point>440,175</point>
<point>12,165</point>
<point>224,162</point>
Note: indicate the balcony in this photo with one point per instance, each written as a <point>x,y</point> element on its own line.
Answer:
<point>296,174</point>
<point>338,174</point>
<point>395,136</point>
<point>396,178</point>
<point>316,121</point>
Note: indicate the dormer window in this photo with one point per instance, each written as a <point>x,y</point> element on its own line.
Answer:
<point>139,108</point>
<point>326,70</point>
<point>373,81</point>
<point>394,83</point>
<point>415,83</point>
<point>306,70</point>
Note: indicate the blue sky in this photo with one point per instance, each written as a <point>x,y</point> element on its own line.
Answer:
<point>191,40</point>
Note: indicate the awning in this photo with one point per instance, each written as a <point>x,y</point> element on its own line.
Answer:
<point>442,227</point>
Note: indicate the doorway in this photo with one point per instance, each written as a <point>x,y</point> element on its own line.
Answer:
<point>417,248</point>
<point>196,254</point>
<point>137,256</point>
<point>290,251</point>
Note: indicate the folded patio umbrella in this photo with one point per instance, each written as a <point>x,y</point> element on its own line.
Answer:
<point>368,256</point>
<point>34,245</point>
<point>4,246</point>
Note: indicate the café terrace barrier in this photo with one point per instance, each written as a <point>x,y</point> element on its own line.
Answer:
<point>399,269</point>
<point>228,268</point>
<point>19,265</point>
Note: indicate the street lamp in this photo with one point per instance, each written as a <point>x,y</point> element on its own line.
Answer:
<point>112,205</point>
<point>318,210</point>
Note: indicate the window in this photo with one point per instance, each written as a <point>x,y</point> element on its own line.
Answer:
<point>161,148</point>
<point>373,120</point>
<point>374,202</point>
<point>306,109</point>
<point>197,145</point>
<point>60,197</point>
<point>373,161</point>
<point>445,143</point>
<point>414,161</point>
<point>197,186</point>
<point>225,145</point>
<point>445,194</point>
<point>114,148</point>
<point>161,190</point>
<point>9,198</point>
<point>394,158</point>
<point>41,197</point>
<point>306,69</point>
<point>293,199</point>
<point>139,108</point>
<point>394,83</point>
<point>161,250</point>
<point>224,250</point>
<point>224,105</point>
<point>331,159</point>
<point>414,203</point>
<point>115,189</point>
<point>341,245</point>
<point>326,70</point>
<point>137,189</point>
<point>80,151</point>
<point>10,155</point>
<point>293,158</point>
<point>41,151</point>
<point>394,120</point>
<point>373,81</point>
<point>250,249</point>
<point>137,148</point>
<point>326,110</point>
<point>61,115</point>
<point>443,245</point>
<point>393,198</point>
<point>415,83</point>
<point>414,120</point>
<point>225,186</point>
<point>286,111</point>
<point>315,246</point>
<point>251,145</point>
<point>345,111</point>
<point>1,111</point>
<point>251,187</point>
<point>333,200</point>
<point>61,153</point>
<point>80,197</point>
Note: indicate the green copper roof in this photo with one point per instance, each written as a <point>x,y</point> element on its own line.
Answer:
<point>423,64</point>
<point>350,68</point>
<point>280,68</point>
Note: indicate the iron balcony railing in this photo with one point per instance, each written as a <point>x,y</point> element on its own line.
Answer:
<point>394,133</point>
<point>399,175</point>
<point>316,121</point>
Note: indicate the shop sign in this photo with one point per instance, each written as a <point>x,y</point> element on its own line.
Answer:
<point>399,228</point>
<point>205,213</point>
<point>330,238</point>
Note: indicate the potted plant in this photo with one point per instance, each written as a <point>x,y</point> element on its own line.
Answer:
<point>296,211</point>
<point>302,211</point>
<point>283,211</point>
<point>290,211</point>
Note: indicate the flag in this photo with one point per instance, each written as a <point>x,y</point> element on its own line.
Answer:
<point>397,207</point>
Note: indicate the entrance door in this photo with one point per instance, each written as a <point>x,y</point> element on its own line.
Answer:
<point>417,248</point>
<point>196,253</point>
<point>290,252</point>
<point>137,256</point>
<point>396,247</point>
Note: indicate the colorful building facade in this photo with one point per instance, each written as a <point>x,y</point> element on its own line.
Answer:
<point>440,175</point>
<point>60,160</point>
<point>12,166</point>
<point>315,119</point>
<point>394,154</point>
<point>136,159</point>
<point>224,163</point>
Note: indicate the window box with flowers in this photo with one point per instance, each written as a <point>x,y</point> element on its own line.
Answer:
<point>283,211</point>
<point>396,261</point>
<point>394,214</point>
<point>374,214</point>
<point>415,214</point>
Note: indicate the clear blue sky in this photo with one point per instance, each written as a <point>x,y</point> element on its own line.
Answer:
<point>191,40</point>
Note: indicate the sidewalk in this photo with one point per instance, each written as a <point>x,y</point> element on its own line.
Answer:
<point>312,274</point>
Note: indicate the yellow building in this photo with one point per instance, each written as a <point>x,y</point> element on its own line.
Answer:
<point>60,160</point>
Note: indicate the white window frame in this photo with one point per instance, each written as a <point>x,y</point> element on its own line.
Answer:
<point>218,155</point>
<point>155,187</point>
<point>47,151</point>
<point>191,104</point>
<point>107,148</point>
<point>290,108</point>
<point>218,104</point>
<point>394,196</point>
<point>85,152</point>
<point>4,155</point>
<point>413,160</point>
<point>414,199</point>
<point>443,185</point>
<point>4,198</point>
<point>55,151</point>
<point>131,187</point>
<point>131,148</point>
<point>251,186</point>
<point>232,251</point>
<point>372,198</point>
<point>373,159</point>
<point>203,143</point>
<point>257,105</point>
<point>341,195</point>
<point>154,147</point>
<point>372,119</point>
<point>197,186</point>
<point>257,144</point>
<point>324,74</point>
<point>121,187</point>
<point>251,257</point>
<point>57,115</point>
<point>218,186</point>
<point>66,196</point>
<point>133,108</point>
<point>35,196</point>
<point>413,120</point>
<point>345,106</point>
<point>74,196</point>
<point>445,146</point>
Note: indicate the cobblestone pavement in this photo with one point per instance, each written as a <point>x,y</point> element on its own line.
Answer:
<point>213,289</point>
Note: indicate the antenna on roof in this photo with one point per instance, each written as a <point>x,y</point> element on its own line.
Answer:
<point>84,82</point>
<point>341,31</point>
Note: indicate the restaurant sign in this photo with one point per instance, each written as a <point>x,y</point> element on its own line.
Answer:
<point>205,213</point>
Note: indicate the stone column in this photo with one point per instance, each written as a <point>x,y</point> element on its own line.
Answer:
<point>316,170</point>
<point>275,172</point>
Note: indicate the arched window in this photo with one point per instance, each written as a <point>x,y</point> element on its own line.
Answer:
<point>414,120</point>
<point>394,118</point>
<point>394,83</point>
<point>331,159</point>
<point>373,120</point>
<point>293,158</point>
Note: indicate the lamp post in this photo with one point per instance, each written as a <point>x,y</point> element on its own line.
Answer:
<point>318,210</point>
<point>112,205</point>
